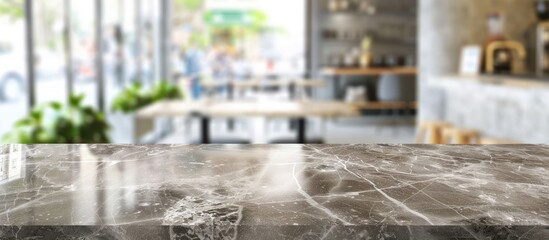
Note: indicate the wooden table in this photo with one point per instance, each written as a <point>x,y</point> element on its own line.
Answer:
<point>292,85</point>
<point>247,84</point>
<point>369,71</point>
<point>299,110</point>
<point>280,109</point>
<point>171,108</point>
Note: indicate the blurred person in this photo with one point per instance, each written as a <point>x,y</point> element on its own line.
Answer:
<point>113,52</point>
<point>84,58</point>
<point>220,63</point>
<point>192,58</point>
<point>241,67</point>
<point>148,54</point>
<point>193,68</point>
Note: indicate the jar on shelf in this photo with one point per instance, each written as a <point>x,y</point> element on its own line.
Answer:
<point>365,60</point>
<point>496,25</point>
<point>344,5</point>
<point>366,6</point>
<point>333,5</point>
<point>335,60</point>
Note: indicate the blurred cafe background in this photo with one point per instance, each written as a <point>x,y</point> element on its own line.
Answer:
<point>285,71</point>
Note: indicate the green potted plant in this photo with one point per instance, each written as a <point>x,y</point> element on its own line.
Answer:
<point>133,98</point>
<point>165,91</point>
<point>57,123</point>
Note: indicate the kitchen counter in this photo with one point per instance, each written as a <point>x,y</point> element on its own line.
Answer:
<point>503,107</point>
<point>274,192</point>
<point>514,81</point>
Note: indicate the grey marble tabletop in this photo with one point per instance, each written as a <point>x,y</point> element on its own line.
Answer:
<point>274,192</point>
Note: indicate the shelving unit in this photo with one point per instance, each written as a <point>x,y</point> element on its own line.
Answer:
<point>337,73</point>
<point>392,29</point>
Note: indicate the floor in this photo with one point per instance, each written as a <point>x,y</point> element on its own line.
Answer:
<point>391,130</point>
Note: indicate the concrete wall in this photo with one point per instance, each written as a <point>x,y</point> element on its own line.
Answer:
<point>445,26</point>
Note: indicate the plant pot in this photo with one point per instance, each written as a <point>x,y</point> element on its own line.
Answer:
<point>122,126</point>
<point>128,129</point>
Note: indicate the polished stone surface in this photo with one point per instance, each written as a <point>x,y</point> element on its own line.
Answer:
<point>274,192</point>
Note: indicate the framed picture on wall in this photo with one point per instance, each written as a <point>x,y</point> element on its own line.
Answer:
<point>471,58</point>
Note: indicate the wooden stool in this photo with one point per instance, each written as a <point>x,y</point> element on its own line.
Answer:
<point>433,130</point>
<point>460,136</point>
<point>495,141</point>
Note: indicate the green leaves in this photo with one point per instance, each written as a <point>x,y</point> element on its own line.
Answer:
<point>163,90</point>
<point>13,9</point>
<point>190,4</point>
<point>54,122</point>
<point>135,97</point>
<point>57,123</point>
<point>130,99</point>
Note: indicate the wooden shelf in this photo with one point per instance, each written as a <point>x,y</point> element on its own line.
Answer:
<point>380,14</point>
<point>385,105</point>
<point>368,71</point>
<point>377,43</point>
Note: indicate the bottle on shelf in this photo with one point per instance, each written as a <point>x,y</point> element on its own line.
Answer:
<point>366,55</point>
<point>333,5</point>
<point>338,5</point>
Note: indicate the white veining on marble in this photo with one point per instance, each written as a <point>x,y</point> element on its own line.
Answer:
<point>312,191</point>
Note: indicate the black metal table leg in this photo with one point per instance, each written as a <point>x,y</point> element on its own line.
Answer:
<point>231,124</point>
<point>292,88</point>
<point>205,130</point>
<point>293,97</point>
<point>231,97</point>
<point>336,86</point>
<point>301,130</point>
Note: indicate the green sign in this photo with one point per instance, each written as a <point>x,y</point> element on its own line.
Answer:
<point>224,18</point>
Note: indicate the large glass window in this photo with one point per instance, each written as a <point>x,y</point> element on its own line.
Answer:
<point>13,100</point>
<point>129,29</point>
<point>120,61</point>
<point>216,38</point>
<point>149,47</point>
<point>239,39</point>
<point>84,49</point>
<point>51,84</point>
<point>114,48</point>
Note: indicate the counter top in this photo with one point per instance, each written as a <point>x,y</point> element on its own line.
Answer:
<point>274,192</point>
<point>523,82</point>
